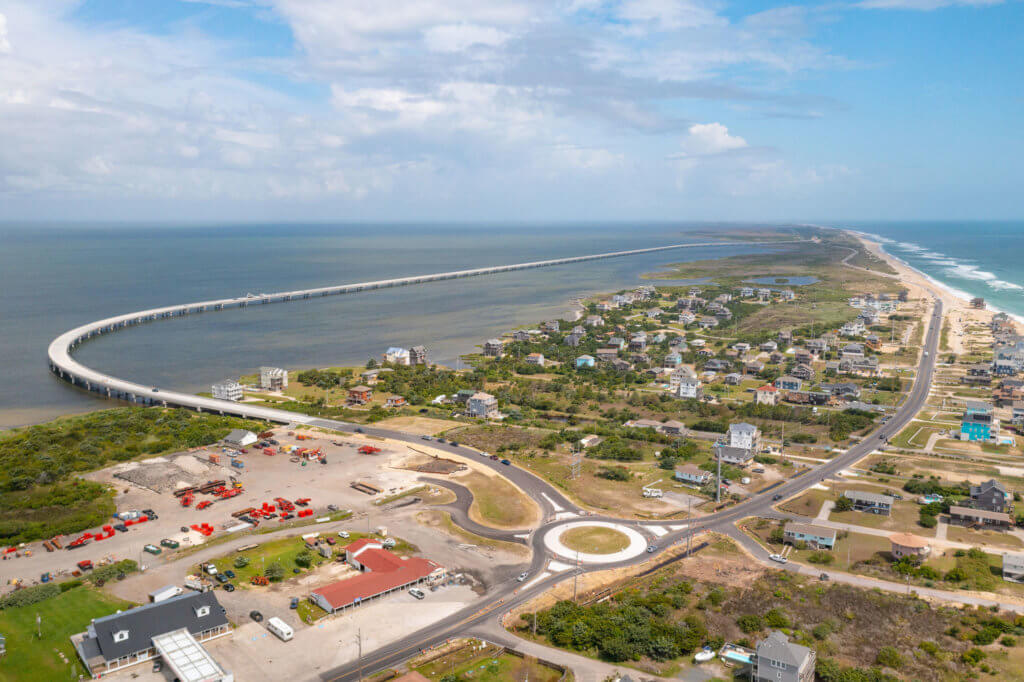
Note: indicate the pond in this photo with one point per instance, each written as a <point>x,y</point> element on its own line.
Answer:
<point>787,281</point>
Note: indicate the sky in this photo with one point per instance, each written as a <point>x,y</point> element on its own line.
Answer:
<point>469,110</point>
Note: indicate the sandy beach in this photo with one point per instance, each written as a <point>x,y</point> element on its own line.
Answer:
<point>956,308</point>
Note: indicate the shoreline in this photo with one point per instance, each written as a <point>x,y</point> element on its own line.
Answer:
<point>957,309</point>
<point>872,243</point>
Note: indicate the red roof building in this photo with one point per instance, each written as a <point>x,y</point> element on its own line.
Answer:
<point>766,395</point>
<point>381,573</point>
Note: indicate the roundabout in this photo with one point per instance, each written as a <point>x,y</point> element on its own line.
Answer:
<point>611,542</point>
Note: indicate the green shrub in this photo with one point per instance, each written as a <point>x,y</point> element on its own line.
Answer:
<point>29,595</point>
<point>750,623</point>
<point>890,657</point>
<point>777,618</point>
<point>972,656</point>
<point>1008,641</point>
<point>70,584</point>
<point>105,574</point>
<point>274,572</point>
<point>304,559</point>
<point>821,557</point>
<point>929,647</point>
<point>844,504</point>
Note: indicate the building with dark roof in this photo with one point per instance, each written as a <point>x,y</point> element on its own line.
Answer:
<point>162,629</point>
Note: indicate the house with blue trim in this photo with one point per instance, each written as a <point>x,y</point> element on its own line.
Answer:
<point>977,423</point>
<point>813,536</point>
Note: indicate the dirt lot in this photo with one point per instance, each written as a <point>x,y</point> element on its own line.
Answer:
<point>264,479</point>
<point>421,426</point>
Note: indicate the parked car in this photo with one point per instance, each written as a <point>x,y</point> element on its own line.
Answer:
<point>158,665</point>
<point>455,443</point>
<point>121,527</point>
<point>506,462</point>
<point>331,541</point>
<point>228,587</point>
<point>256,616</point>
<point>152,549</point>
<point>779,558</point>
<point>651,549</point>
<point>229,573</point>
<point>169,544</point>
<point>343,534</point>
<point>523,576</point>
<point>221,578</point>
<point>295,603</point>
<point>418,593</point>
<point>425,437</point>
<point>823,576</point>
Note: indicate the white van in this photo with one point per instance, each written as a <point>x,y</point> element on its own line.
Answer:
<point>280,628</point>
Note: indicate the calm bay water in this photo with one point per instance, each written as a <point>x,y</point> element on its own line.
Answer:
<point>55,278</point>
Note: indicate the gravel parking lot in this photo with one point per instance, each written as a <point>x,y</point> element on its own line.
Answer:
<point>253,654</point>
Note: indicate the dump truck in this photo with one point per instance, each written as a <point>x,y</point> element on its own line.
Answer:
<point>238,464</point>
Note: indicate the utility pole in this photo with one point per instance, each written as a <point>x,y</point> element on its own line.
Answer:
<point>576,576</point>
<point>359,639</point>
<point>718,487</point>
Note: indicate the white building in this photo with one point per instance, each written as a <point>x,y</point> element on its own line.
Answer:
<point>227,390</point>
<point>743,435</point>
<point>482,405</point>
<point>688,387</point>
<point>535,359</point>
<point>397,356</point>
<point>1013,566</point>
<point>273,378</point>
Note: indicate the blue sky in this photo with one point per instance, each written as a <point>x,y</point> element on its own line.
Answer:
<point>510,109</point>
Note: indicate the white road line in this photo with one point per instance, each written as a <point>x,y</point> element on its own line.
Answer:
<point>540,577</point>
<point>558,566</point>
<point>657,530</point>
<point>553,504</point>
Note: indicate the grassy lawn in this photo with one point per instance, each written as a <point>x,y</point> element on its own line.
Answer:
<point>284,552</point>
<point>915,435</point>
<point>30,658</point>
<point>443,520</point>
<point>983,538</point>
<point>903,519</point>
<point>595,540</point>
<point>276,551</point>
<point>498,503</point>
<point>487,666</point>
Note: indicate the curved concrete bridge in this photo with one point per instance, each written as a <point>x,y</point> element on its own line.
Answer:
<point>66,367</point>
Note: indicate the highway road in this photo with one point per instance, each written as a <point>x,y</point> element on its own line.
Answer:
<point>501,598</point>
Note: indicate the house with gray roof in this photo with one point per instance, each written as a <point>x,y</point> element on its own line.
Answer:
<point>874,503</point>
<point>171,629</point>
<point>779,660</point>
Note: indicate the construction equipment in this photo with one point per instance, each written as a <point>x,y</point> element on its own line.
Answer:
<point>369,450</point>
<point>187,499</point>
<point>204,504</point>
<point>365,488</point>
<point>302,501</point>
<point>181,492</point>
<point>259,580</point>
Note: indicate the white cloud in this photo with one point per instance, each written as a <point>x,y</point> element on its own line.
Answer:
<point>459,37</point>
<point>5,44</point>
<point>426,99</point>
<point>925,5</point>
<point>670,14</point>
<point>710,138</point>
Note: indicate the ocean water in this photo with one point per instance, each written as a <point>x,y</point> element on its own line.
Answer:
<point>57,277</point>
<point>971,258</point>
